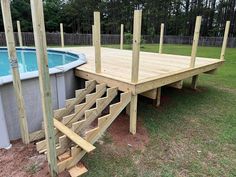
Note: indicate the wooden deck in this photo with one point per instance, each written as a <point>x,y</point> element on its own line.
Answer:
<point>155,70</point>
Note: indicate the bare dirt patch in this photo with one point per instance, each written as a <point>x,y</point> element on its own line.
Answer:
<point>23,161</point>
<point>122,138</point>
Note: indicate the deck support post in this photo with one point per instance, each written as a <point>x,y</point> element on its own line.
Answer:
<point>97,42</point>
<point>194,82</point>
<point>19,33</point>
<point>225,40</point>
<point>44,80</point>
<point>136,45</point>
<point>121,36</point>
<point>195,41</point>
<point>62,35</point>
<point>158,99</point>
<point>133,114</point>
<point>7,20</point>
<point>161,38</point>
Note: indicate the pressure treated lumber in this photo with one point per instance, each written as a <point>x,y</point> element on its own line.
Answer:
<point>195,41</point>
<point>19,33</point>
<point>194,82</point>
<point>7,20</point>
<point>97,42</point>
<point>121,36</point>
<point>225,40</point>
<point>73,136</point>
<point>136,45</point>
<point>133,114</point>
<point>161,38</point>
<point>62,35</point>
<point>158,98</point>
<point>44,80</point>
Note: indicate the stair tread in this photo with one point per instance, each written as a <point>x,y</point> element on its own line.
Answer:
<point>77,170</point>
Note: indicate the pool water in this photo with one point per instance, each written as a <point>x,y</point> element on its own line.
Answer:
<point>27,61</point>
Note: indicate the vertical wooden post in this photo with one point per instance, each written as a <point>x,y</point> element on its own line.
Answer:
<point>19,33</point>
<point>136,44</point>
<point>224,45</point>
<point>194,82</point>
<point>195,41</point>
<point>93,35</point>
<point>133,114</point>
<point>97,42</point>
<point>121,36</point>
<point>161,38</point>
<point>7,20</point>
<point>158,99</point>
<point>44,79</point>
<point>62,35</point>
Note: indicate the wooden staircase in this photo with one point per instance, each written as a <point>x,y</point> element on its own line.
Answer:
<point>73,132</point>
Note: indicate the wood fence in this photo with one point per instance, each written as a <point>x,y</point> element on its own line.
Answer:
<point>54,39</point>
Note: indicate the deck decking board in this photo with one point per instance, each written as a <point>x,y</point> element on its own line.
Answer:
<point>155,70</point>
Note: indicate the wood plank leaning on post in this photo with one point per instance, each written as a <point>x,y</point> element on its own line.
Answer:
<point>161,38</point>
<point>19,33</point>
<point>44,80</point>
<point>6,13</point>
<point>121,36</point>
<point>225,40</point>
<point>93,35</point>
<point>62,35</point>
<point>136,44</point>
<point>97,42</point>
<point>195,41</point>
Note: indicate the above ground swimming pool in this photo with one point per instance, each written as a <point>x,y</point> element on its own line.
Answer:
<point>63,84</point>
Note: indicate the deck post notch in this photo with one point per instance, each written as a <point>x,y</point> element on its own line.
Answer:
<point>44,80</point>
<point>62,35</point>
<point>225,40</point>
<point>97,42</point>
<point>7,20</point>
<point>121,36</point>
<point>195,41</point>
<point>136,45</point>
<point>161,38</point>
<point>19,33</point>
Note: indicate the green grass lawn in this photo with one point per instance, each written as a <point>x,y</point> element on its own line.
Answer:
<point>193,133</point>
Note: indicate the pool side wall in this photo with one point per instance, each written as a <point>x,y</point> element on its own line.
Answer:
<point>63,86</point>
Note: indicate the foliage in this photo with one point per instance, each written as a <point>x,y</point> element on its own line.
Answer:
<point>178,16</point>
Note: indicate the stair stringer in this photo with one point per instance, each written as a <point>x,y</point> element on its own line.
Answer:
<point>80,109</point>
<point>90,116</point>
<point>70,103</point>
<point>90,100</point>
<point>93,135</point>
<point>79,97</point>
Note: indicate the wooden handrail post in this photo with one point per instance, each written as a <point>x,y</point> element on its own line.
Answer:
<point>161,38</point>
<point>97,42</point>
<point>136,44</point>
<point>195,41</point>
<point>62,35</point>
<point>121,36</point>
<point>7,20</point>
<point>19,33</point>
<point>44,80</point>
<point>225,40</point>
